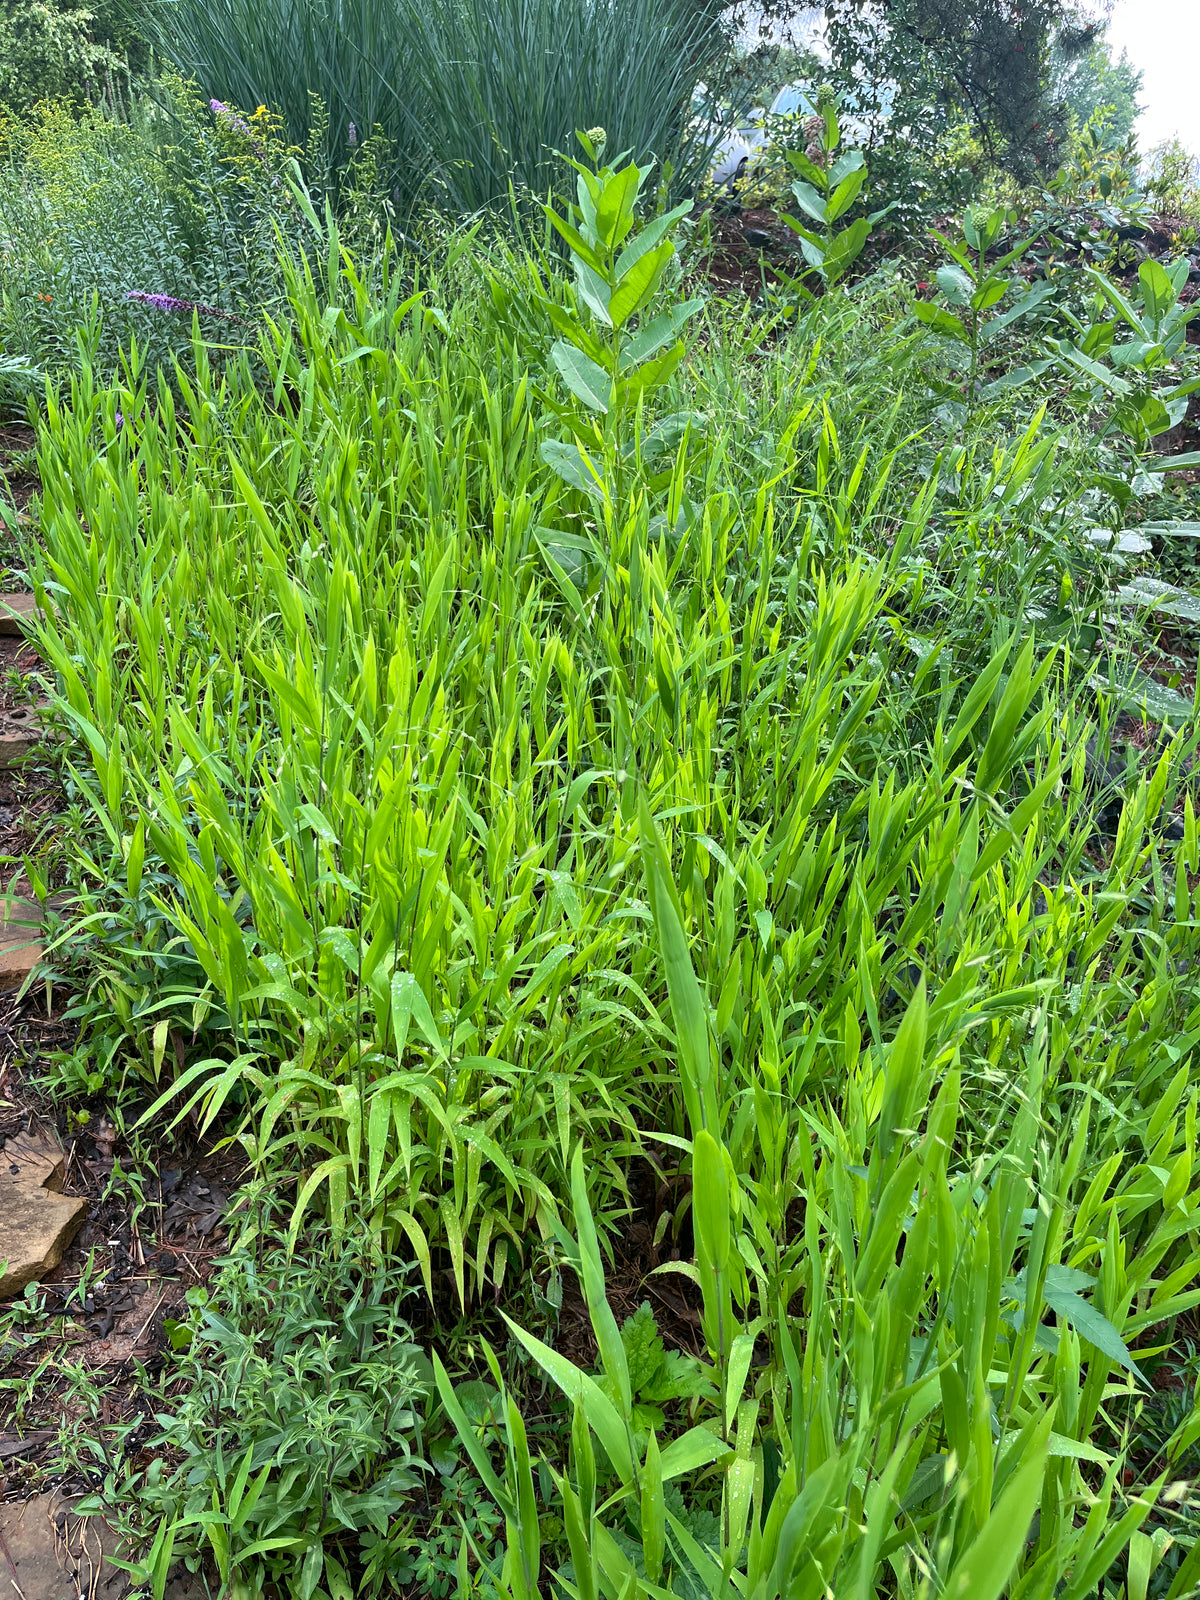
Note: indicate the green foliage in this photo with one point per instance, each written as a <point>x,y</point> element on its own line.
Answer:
<point>1095,190</point>
<point>657,1375</point>
<point>18,379</point>
<point>473,98</point>
<point>1089,81</point>
<point>1138,374</point>
<point>976,290</point>
<point>607,366</point>
<point>1172,181</point>
<point>173,199</point>
<point>923,63</point>
<point>956,1419</point>
<point>60,49</point>
<point>464,1510</point>
<point>828,186</point>
<point>172,202</point>
<point>298,1425</point>
<point>451,828</point>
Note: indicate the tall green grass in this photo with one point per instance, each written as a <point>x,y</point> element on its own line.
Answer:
<point>473,98</point>
<point>451,804</point>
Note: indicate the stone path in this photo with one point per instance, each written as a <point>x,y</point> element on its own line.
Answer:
<point>37,1222</point>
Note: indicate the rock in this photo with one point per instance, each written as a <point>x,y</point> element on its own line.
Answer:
<point>17,611</point>
<point>20,940</point>
<point>758,238</point>
<point>21,733</point>
<point>37,1221</point>
<point>56,1553</point>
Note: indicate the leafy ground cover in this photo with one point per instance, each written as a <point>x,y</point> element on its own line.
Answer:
<point>655,833</point>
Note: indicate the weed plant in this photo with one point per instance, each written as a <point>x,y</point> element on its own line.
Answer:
<point>291,1424</point>
<point>476,792</point>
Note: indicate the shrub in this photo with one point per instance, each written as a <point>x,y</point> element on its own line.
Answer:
<point>59,49</point>
<point>1172,182</point>
<point>117,226</point>
<point>298,1425</point>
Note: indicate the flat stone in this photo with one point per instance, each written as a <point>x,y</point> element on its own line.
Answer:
<point>17,613</point>
<point>42,1162</point>
<point>21,733</point>
<point>20,940</point>
<point>37,1222</point>
<point>56,1554</point>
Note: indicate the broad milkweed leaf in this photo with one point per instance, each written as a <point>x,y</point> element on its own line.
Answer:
<point>941,321</point>
<point>639,283</point>
<point>958,286</point>
<point>849,161</point>
<point>594,292</point>
<point>810,201</point>
<point>1102,375</point>
<point>659,331</point>
<point>799,162</point>
<point>845,248</point>
<point>566,586</point>
<point>586,381</point>
<point>1027,304</point>
<point>1131,686</point>
<point>1013,379</point>
<point>929,1479</point>
<point>1156,595</point>
<point>649,237</point>
<point>990,293</point>
<point>572,466</point>
<point>1158,291</point>
<point>845,194</point>
<point>575,239</point>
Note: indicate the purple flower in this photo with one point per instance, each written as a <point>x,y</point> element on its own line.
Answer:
<point>230,118</point>
<point>169,302</point>
<point>160,302</point>
<point>120,421</point>
<point>352,135</point>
